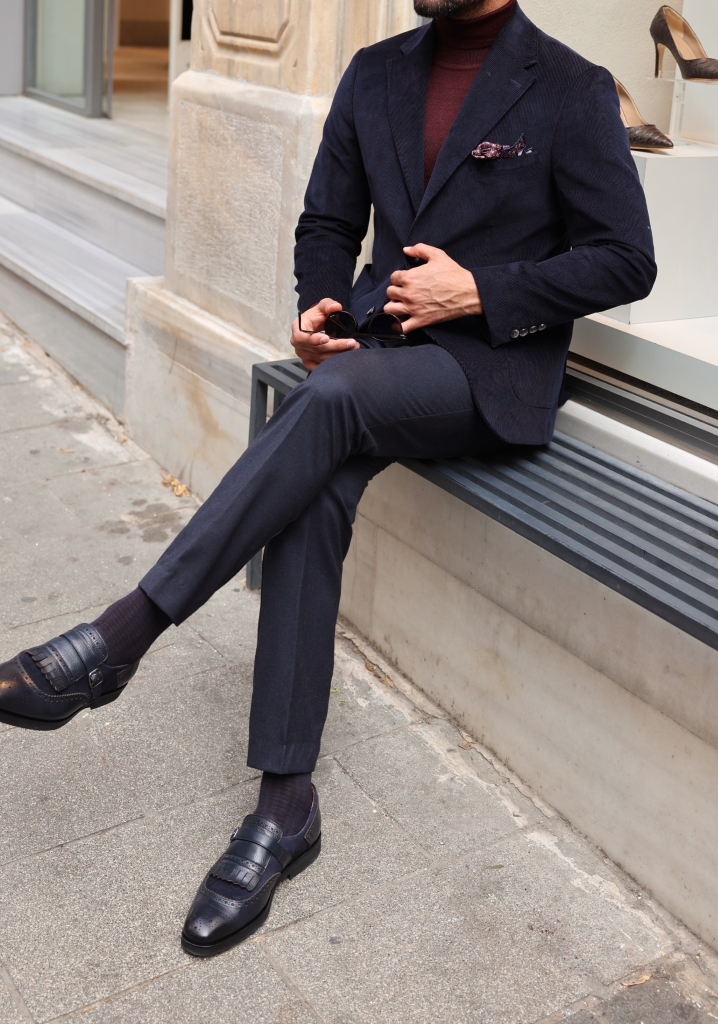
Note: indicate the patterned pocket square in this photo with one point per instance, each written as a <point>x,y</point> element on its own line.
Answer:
<point>495,151</point>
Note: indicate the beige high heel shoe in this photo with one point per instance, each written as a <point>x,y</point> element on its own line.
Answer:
<point>671,31</point>
<point>641,135</point>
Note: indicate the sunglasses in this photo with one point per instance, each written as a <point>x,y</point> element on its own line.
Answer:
<point>381,327</point>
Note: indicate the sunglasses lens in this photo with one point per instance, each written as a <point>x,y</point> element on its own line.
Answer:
<point>385,323</point>
<point>341,325</point>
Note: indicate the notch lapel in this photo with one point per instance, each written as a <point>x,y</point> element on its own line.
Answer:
<point>407,78</point>
<point>502,79</point>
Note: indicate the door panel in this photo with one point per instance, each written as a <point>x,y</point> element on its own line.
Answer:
<point>68,50</point>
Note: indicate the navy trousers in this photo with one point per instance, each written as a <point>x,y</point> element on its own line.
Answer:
<point>294,492</point>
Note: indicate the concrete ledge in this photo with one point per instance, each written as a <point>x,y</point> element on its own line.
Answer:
<point>608,712</point>
<point>202,368</point>
<point>93,358</point>
<point>679,356</point>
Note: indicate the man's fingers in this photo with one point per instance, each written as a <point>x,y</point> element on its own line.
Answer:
<point>396,295</point>
<point>397,308</point>
<point>422,252</point>
<point>305,347</point>
<point>411,324</point>
<point>327,306</point>
<point>314,317</point>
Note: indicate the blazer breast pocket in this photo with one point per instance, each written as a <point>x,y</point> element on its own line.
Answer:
<point>511,163</point>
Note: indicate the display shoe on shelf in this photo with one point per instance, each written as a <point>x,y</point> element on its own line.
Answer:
<point>670,31</point>
<point>641,135</point>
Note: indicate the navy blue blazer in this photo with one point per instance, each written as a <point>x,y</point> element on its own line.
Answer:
<point>550,236</point>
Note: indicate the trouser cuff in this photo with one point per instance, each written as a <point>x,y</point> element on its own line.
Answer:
<point>287,759</point>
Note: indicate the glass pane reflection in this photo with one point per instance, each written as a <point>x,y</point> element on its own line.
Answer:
<point>60,49</point>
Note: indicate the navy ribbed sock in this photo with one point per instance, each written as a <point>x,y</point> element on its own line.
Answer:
<point>130,626</point>
<point>286,800</point>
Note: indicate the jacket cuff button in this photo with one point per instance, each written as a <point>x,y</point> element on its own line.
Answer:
<point>532,329</point>
<point>542,327</point>
<point>524,331</point>
<point>515,333</point>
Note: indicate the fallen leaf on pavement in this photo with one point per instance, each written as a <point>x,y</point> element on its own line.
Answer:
<point>466,746</point>
<point>375,670</point>
<point>637,981</point>
<point>68,450</point>
<point>179,489</point>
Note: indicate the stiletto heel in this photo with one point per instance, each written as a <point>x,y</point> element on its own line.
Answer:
<point>641,135</point>
<point>660,52</point>
<point>671,31</point>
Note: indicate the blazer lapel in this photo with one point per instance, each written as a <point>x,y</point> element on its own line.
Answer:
<point>407,78</point>
<point>503,78</point>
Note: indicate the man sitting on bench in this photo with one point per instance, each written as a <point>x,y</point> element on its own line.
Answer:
<point>506,204</point>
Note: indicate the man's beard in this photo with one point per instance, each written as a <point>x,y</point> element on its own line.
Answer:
<point>447,8</point>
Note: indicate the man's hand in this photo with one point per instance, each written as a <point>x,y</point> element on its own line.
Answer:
<point>313,349</point>
<point>438,290</point>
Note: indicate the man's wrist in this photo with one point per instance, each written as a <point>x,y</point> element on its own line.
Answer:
<point>473,304</point>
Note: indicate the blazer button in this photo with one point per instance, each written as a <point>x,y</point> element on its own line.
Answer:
<point>515,333</point>
<point>524,331</point>
<point>532,329</point>
<point>542,327</point>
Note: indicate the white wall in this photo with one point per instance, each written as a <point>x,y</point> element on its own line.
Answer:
<point>613,33</point>
<point>11,46</point>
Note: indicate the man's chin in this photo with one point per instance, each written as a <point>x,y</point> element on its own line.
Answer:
<point>447,8</point>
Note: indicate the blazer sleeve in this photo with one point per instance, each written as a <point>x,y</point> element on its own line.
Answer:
<point>610,261</point>
<point>337,205</point>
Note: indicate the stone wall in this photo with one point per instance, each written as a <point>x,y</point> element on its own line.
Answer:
<point>246,120</point>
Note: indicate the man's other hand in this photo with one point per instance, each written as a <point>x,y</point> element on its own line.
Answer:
<point>313,349</point>
<point>438,290</point>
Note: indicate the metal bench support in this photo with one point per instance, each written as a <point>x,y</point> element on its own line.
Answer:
<point>281,377</point>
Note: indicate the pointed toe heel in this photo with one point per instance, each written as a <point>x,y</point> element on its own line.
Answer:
<point>641,135</point>
<point>670,31</point>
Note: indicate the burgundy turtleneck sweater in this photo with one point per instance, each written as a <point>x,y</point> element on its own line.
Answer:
<point>461,48</point>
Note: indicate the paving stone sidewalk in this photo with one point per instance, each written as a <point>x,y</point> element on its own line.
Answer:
<point>446,890</point>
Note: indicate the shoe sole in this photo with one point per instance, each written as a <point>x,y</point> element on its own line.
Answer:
<point>294,869</point>
<point>43,725</point>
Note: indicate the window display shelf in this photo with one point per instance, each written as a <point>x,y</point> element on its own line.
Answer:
<point>678,356</point>
<point>670,339</point>
<point>694,112</point>
<point>681,185</point>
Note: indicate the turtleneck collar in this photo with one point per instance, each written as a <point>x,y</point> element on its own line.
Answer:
<point>464,41</point>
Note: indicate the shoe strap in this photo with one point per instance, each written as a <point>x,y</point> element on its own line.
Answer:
<point>264,833</point>
<point>247,856</point>
<point>66,659</point>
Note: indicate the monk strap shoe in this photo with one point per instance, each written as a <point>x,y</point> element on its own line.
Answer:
<point>44,687</point>
<point>235,897</point>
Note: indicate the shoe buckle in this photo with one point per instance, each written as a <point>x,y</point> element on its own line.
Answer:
<point>95,678</point>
